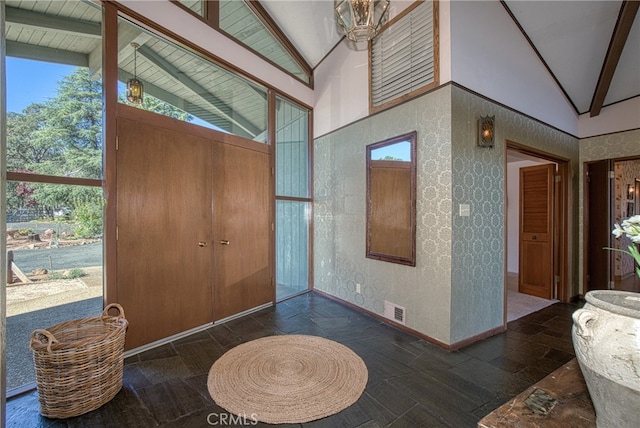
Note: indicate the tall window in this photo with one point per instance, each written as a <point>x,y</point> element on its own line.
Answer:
<point>293,202</point>
<point>54,200</point>
<point>250,24</point>
<point>185,86</point>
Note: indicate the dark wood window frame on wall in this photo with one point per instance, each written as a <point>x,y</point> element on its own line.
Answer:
<point>391,201</point>
<point>404,61</point>
<point>211,16</point>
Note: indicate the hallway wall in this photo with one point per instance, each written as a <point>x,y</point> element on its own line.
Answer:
<point>608,146</point>
<point>456,290</point>
<point>478,178</point>
<point>340,216</point>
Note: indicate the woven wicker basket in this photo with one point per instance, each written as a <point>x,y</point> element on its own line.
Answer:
<point>79,363</point>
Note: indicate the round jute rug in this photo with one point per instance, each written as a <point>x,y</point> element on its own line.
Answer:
<point>287,379</point>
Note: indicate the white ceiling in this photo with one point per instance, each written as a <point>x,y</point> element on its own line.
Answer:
<point>309,24</point>
<point>571,37</point>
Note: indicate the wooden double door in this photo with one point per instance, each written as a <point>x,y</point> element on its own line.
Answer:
<point>193,226</point>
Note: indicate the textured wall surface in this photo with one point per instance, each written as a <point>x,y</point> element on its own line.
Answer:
<point>340,216</point>
<point>478,177</point>
<point>456,290</point>
<point>609,146</point>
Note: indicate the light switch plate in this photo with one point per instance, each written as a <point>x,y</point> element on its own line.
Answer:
<point>465,210</point>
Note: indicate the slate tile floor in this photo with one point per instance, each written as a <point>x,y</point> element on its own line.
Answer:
<point>411,382</point>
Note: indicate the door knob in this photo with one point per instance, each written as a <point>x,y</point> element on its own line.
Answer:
<point>202,244</point>
<point>224,242</point>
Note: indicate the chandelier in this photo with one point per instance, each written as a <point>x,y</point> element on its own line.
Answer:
<point>361,19</point>
<point>135,89</point>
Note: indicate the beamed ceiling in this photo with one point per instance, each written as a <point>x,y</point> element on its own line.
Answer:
<point>591,48</point>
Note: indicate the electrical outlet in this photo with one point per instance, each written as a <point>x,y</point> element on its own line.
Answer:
<point>358,289</point>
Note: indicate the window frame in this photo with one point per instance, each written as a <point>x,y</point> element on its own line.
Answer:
<point>211,17</point>
<point>30,177</point>
<point>114,11</point>
<point>436,60</point>
<point>309,198</point>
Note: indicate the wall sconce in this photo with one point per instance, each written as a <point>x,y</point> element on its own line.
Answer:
<point>361,19</point>
<point>486,131</point>
<point>135,89</point>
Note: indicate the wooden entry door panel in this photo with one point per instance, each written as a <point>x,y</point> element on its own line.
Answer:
<point>242,229</point>
<point>164,251</point>
<point>536,231</point>
<point>597,197</point>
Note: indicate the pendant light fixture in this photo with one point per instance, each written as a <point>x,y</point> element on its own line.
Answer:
<point>361,19</point>
<point>135,89</point>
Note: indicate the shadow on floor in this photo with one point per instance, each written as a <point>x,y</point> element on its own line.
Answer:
<point>411,383</point>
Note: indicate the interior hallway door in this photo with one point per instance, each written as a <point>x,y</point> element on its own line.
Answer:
<point>536,230</point>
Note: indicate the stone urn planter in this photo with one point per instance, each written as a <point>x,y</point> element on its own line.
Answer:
<point>606,338</point>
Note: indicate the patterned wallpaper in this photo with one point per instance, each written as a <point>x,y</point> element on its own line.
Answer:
<point>478,176</point>
<point>609,146</point>
<point>340,209</point>
<point>456,290</point>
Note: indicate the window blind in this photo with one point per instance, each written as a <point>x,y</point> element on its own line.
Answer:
<point>402,56</point>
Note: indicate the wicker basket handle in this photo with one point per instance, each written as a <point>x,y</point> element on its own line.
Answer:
<point>51,339</point>
<point>105,313</point>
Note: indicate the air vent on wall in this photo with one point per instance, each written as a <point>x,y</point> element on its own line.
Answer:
<point>394,312</point>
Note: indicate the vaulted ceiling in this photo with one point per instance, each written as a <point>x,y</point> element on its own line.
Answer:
<point>591,48</point>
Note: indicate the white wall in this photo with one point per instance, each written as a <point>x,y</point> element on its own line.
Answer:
<point>341,80</point>
<point>480,48</point>
<point>623,116</point>
<point>489,55</point>
<point>182,23</point>
<point>341,89</point>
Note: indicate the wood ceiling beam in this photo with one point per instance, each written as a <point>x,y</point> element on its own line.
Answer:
<point>163,95</point>
<point>60,24</point>
<point>42,53</point>
<point>627,15</point>
<point>222,108</point>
